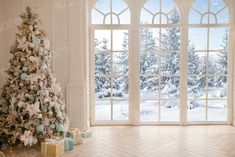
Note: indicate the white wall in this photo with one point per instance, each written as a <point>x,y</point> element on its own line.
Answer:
<point>233,47</point>
<point>54,16</point>
<point>2,41</point>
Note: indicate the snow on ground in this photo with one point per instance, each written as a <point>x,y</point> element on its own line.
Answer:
<point>149,110</point>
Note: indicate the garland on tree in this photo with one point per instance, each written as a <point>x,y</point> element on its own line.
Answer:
<point>31,107</point>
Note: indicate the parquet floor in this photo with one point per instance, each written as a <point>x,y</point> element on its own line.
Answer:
<point>152,141</point>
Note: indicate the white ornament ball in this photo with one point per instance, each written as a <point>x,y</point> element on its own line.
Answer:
<point>40,49</point>
<point>25,68</point>
<point>32,58</point>
<point>35,141</point>
<point>50,113</point>
<point>31,28</point>
<point>32,45</point>
<point>39,115</point>
<point>24,76</point>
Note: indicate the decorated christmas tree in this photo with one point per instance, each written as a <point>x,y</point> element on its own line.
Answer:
<point>31,107</point>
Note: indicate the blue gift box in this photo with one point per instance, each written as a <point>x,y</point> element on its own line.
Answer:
<point>86,133</point>
<point>68,144</point>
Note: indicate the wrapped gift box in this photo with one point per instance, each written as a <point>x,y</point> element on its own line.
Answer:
<point>52,148</point>
<point>76,135</point>
<point>86,133</point>
<point>68,143</point>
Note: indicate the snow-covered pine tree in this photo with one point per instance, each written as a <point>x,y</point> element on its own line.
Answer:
<point>149,58</point>
<point>102,67</point>
<point>223,57</point>
<point>121,63</point>
<point>170,59</point>
<point>32,108</point>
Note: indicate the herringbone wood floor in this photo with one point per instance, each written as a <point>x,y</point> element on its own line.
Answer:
<point>153,141</point>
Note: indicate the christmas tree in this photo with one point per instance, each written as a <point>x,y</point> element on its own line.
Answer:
<point>31,107</point>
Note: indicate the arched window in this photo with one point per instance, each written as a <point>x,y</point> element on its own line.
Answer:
<point>208,61</point>
<point>110,31</point>
<point>110,12</point>
<point>159,61</point>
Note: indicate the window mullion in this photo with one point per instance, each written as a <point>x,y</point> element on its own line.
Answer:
<point>183,67</point>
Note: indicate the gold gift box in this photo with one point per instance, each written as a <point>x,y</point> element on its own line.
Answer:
<point>76,134</point>
<point>52,148</point>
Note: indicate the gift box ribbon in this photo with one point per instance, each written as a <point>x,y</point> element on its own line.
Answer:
<point>50,141</point>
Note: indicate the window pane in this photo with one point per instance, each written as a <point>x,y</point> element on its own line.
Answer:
<point>149,63</point>
<point>194,17</point>
<point>102,63</point>
<point>103,6</point>
<point>164,19</point>
<point>196,110</point>
<point>198,38</point>
<point>115,19</point>
<point>212,19</point>
<point>216,5</point>
<point>217,110</point>
<point>167,6</point>
<point>146,17</point>
<point>218,63</point>
<point>170,38</point>
<point>218,38</point>
<point>118,6</point>
<point>102,88</point>
<point>102,110</point>
<point>125,17</point>
<point>97,18</point>
<point>170,87</point>
<point>223,16</point>
<point>201,5</point>
<point>217,87</point>
<point>153,6</point>
<point>157,19</point>
<point>205,19</point>
<point>120,63</point>
<point>169,110</point>
<point>149,87</point>
<point>149,39</point>
<point>120,87</point>
<point>174,17</point>
<point>196,87</point>
<point>102,40</point>
<point>170,63</point>
<point>107,19</point>
<point>120,40</point>
<point>120,110</point>
<point>196,62</point>
<point>149,110</point>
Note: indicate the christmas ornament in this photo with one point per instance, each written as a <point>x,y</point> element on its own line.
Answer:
<point>27,138</point>
<point>40,128</point>
<point>24,76</point>
<point>25,68</point>
<point>60,127</point>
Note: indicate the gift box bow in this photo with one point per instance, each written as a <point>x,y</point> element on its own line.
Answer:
<point>75,130</point>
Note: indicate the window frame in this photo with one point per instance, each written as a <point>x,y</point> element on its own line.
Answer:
<point>134,54</point>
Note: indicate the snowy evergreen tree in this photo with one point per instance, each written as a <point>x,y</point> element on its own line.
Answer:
<point>148,60</point>
<point>121,85</point>
<point>170,60</point>
<point>223,58</point>
<point>102,67</point>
